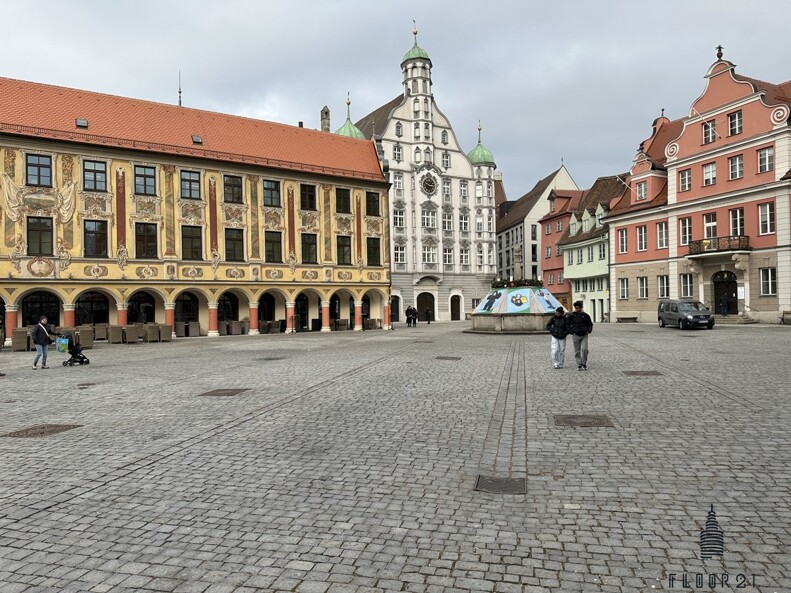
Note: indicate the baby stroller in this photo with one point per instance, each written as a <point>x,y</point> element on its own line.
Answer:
<point>75,352</point>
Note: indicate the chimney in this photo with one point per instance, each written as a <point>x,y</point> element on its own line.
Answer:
<point>325,119</point>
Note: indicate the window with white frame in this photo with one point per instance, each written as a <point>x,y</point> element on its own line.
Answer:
<point>623,288</point>
<point>446,160</point>
<point>622,245</point>
<point>685,180</point>
<point>577,285</point>
<point>585,225</point>
<point>399,254</point>
<point>463,190</point>
<point>709,225</point>
<point>599,216</point>
<point>766,159</point>
<point>641,238</point>
<point>428,156</point>
<point>447,221</point>
<point>551,279</point>
<point>602,251</point>
<point>642,287</point>
<point>684,230</point>
<point>766,218</point>
<point>418,155</point>
<point>464,222</point>
<point>447,256</point>
<point>479,224</point>
<point>560,277</point>
<point>590,253</point>
<point>548,229</point>
<point>446,187</point>
<point>737,221</point>
<point>428,219</point>
<point>489,189</point>
<point>570,257</point>
<point>427,131</point>
<point>548,252</point>
<point>710,174</point>
<point>661,235</point>
<point>480,257</point>
<point>572,228</point>
<point>417,131</point>
<point>429,254</point>
<point>558,250</point>
<point>736,166</point>
<point>709,132</point>
<point>641,190</point>
<point>399,129</point>
<point>768,281</point>
<point>579,256</point>
<point>397,154</point>
<point>478,189</point>
<point>444,136</point>
<point>735,123</point>
<point>398,218</point>
<point>398,181</point>
<point>559,226</point>
<point>584,285</point>
<point>464,256</point>
<point>686,285</point>
<point>663,286</point>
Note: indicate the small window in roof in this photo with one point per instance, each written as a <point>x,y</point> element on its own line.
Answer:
<point>197,139</point>
<point>81,122</point>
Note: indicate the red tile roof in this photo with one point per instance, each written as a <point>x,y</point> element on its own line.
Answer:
<point>775,93</point>
<point>46,111</point>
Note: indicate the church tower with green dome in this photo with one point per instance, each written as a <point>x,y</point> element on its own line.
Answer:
<point>442,207</point>
<point>348,128</point>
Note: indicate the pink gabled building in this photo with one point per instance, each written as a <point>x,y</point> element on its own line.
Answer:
<point>708,212</point>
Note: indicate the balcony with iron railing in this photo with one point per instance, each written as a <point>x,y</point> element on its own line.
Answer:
<point>713,245</point>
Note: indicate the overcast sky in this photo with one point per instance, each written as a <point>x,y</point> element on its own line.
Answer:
<point>578,80</point>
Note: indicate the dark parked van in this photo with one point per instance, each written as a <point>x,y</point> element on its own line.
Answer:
<point>684,314</point>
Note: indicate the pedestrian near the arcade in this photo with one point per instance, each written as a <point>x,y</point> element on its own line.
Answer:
<point>41,338</point>
<point>580,325</point>
<point>558,327</point>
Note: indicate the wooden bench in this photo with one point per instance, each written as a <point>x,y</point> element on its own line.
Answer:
<point>785,318</point>
<point>626,319</point>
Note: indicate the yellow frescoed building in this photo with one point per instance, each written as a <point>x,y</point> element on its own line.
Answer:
<point>120,211</point>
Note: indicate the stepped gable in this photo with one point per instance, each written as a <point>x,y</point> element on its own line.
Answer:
<point>45,111</point>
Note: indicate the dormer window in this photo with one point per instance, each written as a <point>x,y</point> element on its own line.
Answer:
<point>585,226</point>
<point>197,139</point>
<point>552,205</point>
<point>81,122</point>
<point>573,228</point>
<point>641,190</point>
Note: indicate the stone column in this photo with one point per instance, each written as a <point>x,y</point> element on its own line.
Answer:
<point>69,315</point>
<point>386,320</point>
<point>121,315</point>
<point>10,322</point>
<point>358,316</point>
<point>253,316</point>
<point>325,316</point>
<point>290,317</point>
<point>170,317</point>
<point>213,332</point>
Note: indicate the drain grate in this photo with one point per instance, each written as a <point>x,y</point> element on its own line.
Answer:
<point>642,373</point>
<point>448,357</point>
<point>222,393</point>
<point>41,430</point>
<point>501,485</point>
<point>582,420</point>
<point>85,385</point>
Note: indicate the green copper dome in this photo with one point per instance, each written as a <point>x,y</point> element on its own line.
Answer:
<point>348,128</point>
<point>416,51</point>
<point>480,155</point>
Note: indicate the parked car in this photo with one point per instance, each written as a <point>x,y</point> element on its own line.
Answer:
<point>684,314</point>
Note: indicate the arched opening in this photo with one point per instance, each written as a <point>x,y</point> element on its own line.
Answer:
<point>395,308</point>
<point>3,330</point>
<point>725,293</point>
<point>228,307</point>
<point>455,308</point>
<point>266,307</point>
<point>141,308</point>
<point>425,306</point>
<point>40,303</point>
<point>366,308</point>
<point>187,307</point>
<point>351,310</point>
<point>301,312</point>
<point>91,308</point>
<point>335,308</point>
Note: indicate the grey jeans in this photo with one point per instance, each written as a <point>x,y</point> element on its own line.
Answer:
<point>580,349</point>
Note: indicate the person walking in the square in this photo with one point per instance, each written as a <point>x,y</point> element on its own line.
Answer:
<point>558,327</point>
<point>580,325</point>
<point>40,337</point>
<point>724,304</point>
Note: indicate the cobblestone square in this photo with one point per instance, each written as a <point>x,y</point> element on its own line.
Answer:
<point>349,464</point>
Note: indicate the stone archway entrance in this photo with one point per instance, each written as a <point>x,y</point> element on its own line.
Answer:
<point>425,303</point>
<point>395,308</point>
<point>725,287</point>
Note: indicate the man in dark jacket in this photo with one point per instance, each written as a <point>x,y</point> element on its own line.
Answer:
<point>558,327</point>
<point>580,325</point>
<point>40,337</point>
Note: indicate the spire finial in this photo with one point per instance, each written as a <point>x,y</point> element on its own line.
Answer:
<point>663,112</point>
<point>414,30</point>
<point>348,103</point>
<point>479,131</point>
<point>719,49</point>
<point>179,87</point>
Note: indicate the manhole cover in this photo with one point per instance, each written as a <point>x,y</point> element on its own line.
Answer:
<point>642,373</point>
<point>582,420</point>
<point>41,430</point>
<point>448,357</point>
<point>501,485</point>
<point>222,393</point>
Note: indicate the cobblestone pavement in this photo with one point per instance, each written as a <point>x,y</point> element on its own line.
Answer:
<point>350,464</point>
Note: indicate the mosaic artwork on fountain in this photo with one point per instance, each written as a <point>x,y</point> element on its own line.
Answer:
<point>518,300</point>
